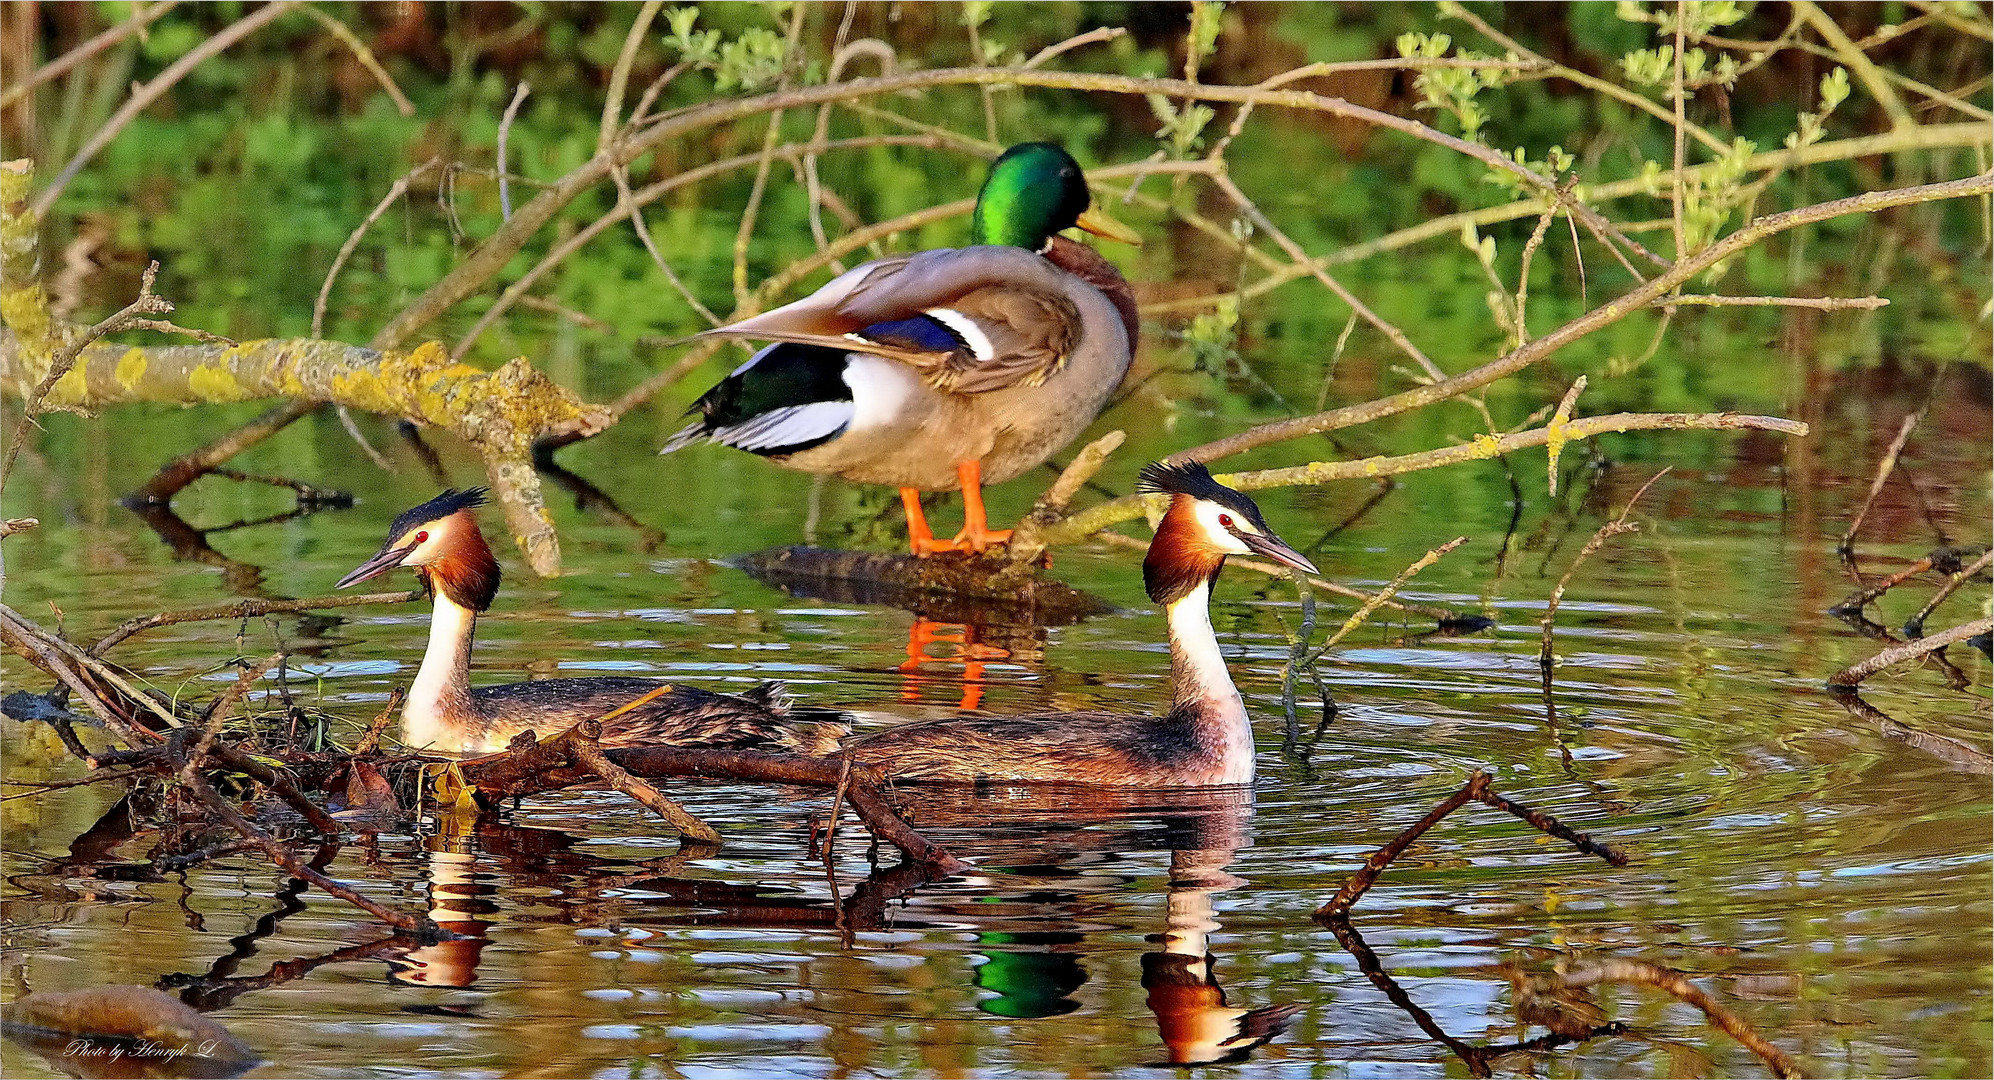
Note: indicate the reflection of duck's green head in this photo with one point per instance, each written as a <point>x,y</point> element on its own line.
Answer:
<point>1034,190</point>
<point>1030,985</point>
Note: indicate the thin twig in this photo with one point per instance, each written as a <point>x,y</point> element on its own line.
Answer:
<point>1554,431</point>
<point>760,187</point>
<point>812,182</point>
<point>144,96</point>
<point>1606,532</point>
<point>1883,470</point>
<point>505,129</point>
<point>224,706</point>
<point>1529,252</point>
<point>619,76</point>
<point>1477,789</point>
<point>297,868</point>
<point>1818,303</point>
<point>1092,37</point>
<point>1301,258</point>
<point>243,609</point>
<point>1852,676</point>
<point>589,754</point>
<point>1915,627</point>
<point>371,741</point>
<point>366,57</point>
<point>141,17</point>
<point>395,191</point>
<point>65,358</point>
<point>1639,973</point>
<point>1024,546</point>
<point>1372,603</point>
<point>1858,62</point>
<point>1677,96</point>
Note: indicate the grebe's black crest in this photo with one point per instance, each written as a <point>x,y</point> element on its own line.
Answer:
<point>437,509</point>
<point>1193,479</point>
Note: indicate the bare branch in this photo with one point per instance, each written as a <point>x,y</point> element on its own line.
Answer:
<point>141,17</point>
<point>145,95</point>
<point>1605,315</point>
<point>1852,676</point>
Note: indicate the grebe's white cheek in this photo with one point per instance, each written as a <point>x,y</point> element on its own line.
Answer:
<point>1210,522</point>
<point>430,548</point>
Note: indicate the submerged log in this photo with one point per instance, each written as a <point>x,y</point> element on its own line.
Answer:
<point>949,587</point>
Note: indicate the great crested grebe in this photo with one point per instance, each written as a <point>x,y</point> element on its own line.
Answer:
<point>1205,739</point>
<point>943,369</point>
<point>441,542</point>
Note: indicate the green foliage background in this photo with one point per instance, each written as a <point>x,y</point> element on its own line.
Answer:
<point>247,179</point>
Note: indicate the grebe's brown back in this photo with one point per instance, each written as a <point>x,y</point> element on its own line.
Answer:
<point>441,542</point>
<point>1205,739</point>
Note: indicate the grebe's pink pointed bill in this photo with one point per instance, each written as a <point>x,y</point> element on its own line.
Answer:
<point>1275,549</point>
<point>383,561</point>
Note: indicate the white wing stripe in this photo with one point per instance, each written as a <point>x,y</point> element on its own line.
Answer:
<point>965,328</point>
<point>788,426</point>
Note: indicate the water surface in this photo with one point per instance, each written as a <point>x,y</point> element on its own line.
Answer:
<point>1821,869</point>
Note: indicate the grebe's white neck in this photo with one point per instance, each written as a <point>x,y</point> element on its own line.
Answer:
<point>1203,687</point>
<point>440,697</point>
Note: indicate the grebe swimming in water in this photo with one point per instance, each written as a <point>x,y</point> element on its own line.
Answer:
<point>1205,739</point>
<point>441,542</point>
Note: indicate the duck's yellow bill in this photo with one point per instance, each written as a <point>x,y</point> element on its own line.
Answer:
<point>1107,228</point>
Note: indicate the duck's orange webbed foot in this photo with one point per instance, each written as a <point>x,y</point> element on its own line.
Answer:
<point>976,534</point>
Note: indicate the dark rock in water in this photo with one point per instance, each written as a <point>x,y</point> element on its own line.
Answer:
<point>124,1031</point>
<point>953,587</point>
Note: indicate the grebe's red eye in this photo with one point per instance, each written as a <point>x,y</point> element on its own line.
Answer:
<point>424,535</point>
<point>1225,520</point>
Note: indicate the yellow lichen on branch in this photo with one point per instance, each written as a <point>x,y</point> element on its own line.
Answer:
<point>499,413</point>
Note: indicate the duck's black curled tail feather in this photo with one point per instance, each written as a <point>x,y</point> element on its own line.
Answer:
<point>786,399</point>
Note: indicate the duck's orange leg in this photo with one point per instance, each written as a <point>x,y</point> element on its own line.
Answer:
<point>919,537</point>
<point>976,534</point>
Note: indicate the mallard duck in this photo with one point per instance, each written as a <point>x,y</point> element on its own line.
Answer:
<point>944,369</point>
<point>440,541</point>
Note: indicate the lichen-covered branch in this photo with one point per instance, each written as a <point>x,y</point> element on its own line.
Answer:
<point>1482,447</point>
<point>499,413</point>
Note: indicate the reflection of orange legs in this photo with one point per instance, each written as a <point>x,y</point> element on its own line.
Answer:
<point>969,652</point>
<point>976,534</point>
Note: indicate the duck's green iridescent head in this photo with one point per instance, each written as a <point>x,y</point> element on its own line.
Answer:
<point>1034,190</point>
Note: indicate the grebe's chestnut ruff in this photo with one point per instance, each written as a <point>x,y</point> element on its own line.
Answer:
<point>943,369</point>
<point>444,712</point>
<point>1205,739</point>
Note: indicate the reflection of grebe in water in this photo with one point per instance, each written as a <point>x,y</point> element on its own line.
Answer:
<point>1197,1025</point>
<point>1035,965</point>
<point>1037,945</point>
<point>457,896</point>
